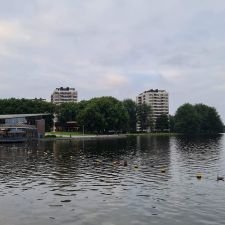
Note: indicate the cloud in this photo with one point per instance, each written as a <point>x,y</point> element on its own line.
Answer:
<point>114,47</point>
<point>172,75</point>
<point>12,31</point>
<point>114,80</point>
<point>7,30</point>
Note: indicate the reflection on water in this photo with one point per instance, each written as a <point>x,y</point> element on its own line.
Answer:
<point>86,182</point>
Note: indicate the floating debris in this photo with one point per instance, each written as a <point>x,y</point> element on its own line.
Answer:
<point>199,176</point>
<point>163,170</point>
<point>220,178</point>
<point>67,200</point>
<point>125,163</point>
<point>55,205</point>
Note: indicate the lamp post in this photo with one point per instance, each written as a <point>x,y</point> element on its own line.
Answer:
<point>83,129</point>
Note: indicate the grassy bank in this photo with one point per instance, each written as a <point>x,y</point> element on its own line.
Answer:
<point>154,134</point>
<point>60,133</point>
<point>128,134</point>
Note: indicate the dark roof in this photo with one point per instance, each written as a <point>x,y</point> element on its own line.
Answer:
<point>65,89</point>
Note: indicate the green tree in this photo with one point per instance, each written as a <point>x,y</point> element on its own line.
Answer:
<point>186,119</point>
<point>171,123</point>
<point>131,108</point>
<point>197,119</point>
<point>103,115</point>
<point>91,118</point>
<point>67,112</point>
<point>144,117</point>
<point>162,123</point>
<point>209,119</point>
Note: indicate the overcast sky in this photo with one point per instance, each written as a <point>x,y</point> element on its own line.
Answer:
<point>114,47</point>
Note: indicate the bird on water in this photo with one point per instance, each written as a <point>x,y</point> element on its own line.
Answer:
<point>220,178</point>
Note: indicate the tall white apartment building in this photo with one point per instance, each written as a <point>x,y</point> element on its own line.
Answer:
<point>63,95</point>
<point>157,99</point>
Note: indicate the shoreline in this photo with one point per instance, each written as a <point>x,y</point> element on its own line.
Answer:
<point>84,137</point>
<point>112,136</point>
<point>104,136</point>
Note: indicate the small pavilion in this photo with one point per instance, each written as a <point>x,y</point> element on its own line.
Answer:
<point>21,127</point>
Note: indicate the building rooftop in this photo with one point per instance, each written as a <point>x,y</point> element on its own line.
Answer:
<point>156,90</point>
<point>153,91</point>
<point>11,116</point>
<point>65,89</point>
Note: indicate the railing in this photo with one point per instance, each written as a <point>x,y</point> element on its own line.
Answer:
<point>17,126</point>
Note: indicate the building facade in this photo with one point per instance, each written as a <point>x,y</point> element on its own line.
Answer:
<point>22,127</point>
<point>157,99</point>
<point>64,95</point>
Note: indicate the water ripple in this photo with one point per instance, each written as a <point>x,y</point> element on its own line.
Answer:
<point>87,182</point>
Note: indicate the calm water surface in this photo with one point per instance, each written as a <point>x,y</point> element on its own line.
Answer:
<point>86,182</point>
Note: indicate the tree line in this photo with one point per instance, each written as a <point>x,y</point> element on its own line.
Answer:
<point>99,115</point>
<point>108,114</point>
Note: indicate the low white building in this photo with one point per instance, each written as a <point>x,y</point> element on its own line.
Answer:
<point>64,95</point>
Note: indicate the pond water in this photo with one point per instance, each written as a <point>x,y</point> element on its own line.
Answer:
<point>86,182</point>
